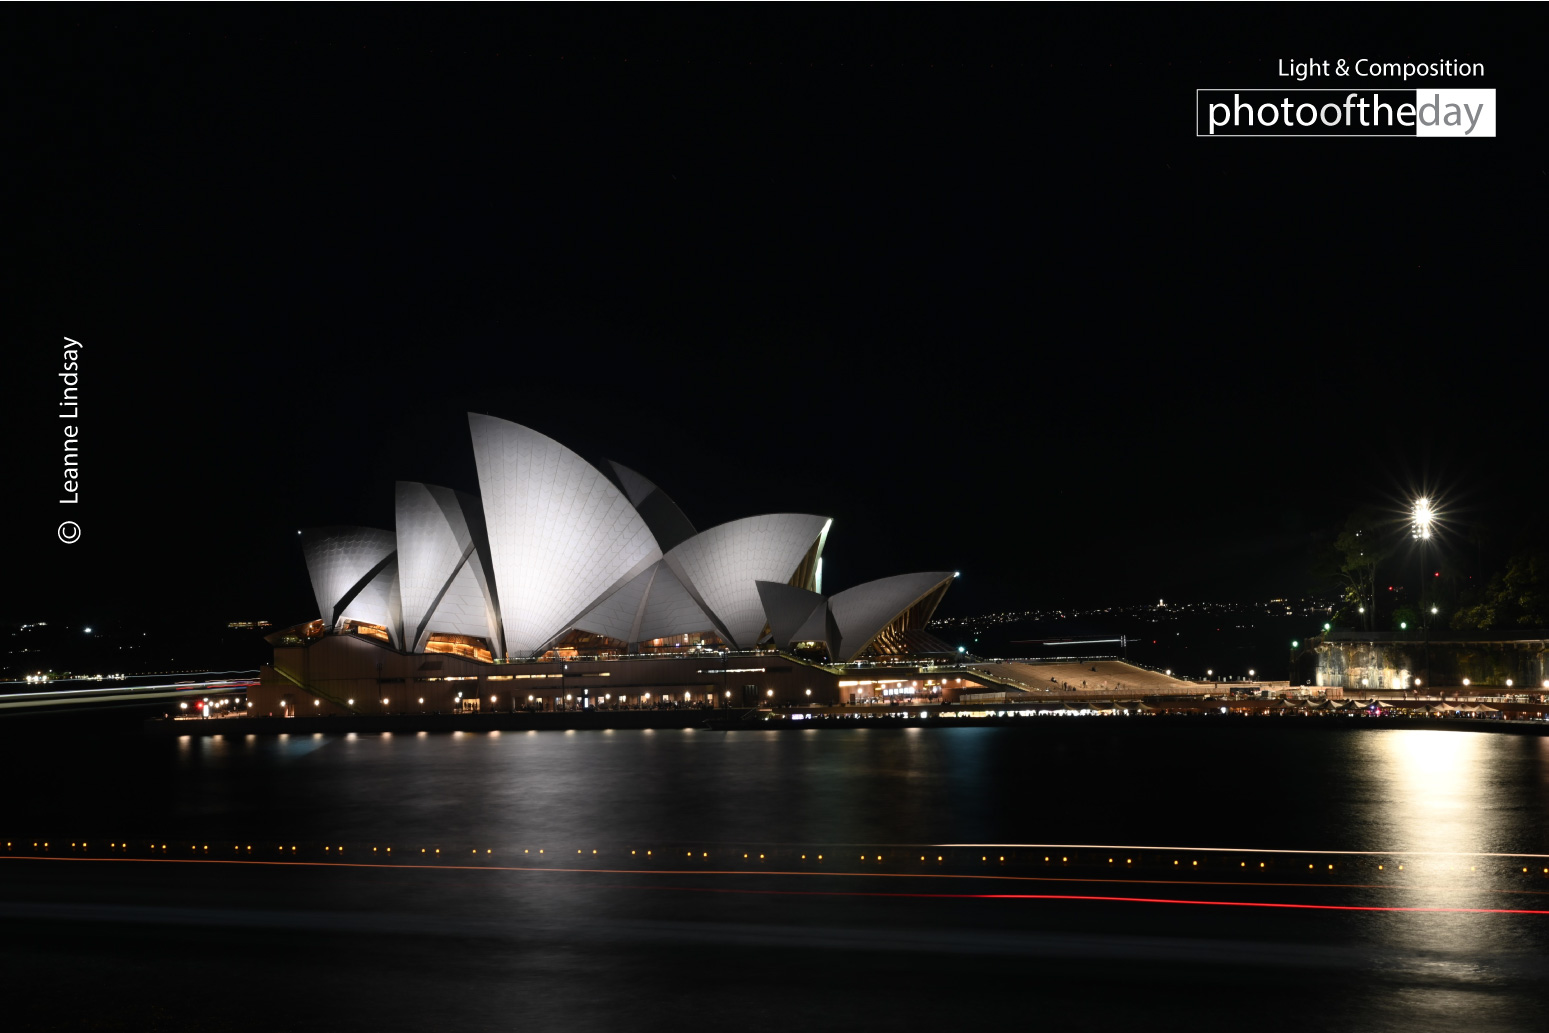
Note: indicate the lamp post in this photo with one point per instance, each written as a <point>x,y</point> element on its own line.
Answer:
<point>1422,517</point>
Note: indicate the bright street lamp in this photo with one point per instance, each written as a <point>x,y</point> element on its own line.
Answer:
<point>1422,516</point>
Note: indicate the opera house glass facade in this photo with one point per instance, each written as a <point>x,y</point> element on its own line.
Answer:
<point>558,560</point>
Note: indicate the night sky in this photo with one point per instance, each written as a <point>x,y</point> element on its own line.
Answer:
<point>966,282</point>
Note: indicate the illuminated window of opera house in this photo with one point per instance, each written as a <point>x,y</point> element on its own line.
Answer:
<point>465,646</point>
<point>698,640</point>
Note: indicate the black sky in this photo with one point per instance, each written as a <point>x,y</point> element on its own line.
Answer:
<point>966,282</point>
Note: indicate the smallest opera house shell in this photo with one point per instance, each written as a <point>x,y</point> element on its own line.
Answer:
<point>566,584</point>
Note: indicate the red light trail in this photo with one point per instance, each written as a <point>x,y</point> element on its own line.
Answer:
<point>1085,897</point>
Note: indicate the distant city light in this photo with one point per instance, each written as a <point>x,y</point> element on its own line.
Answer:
<point>88,631</point>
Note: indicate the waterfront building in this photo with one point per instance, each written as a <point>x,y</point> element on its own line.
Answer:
<point>1427,662</point>
<point>586,584</point>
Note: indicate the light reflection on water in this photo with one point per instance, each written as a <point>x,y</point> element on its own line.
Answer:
<point>1387,790</point>
<point>1175,784</point>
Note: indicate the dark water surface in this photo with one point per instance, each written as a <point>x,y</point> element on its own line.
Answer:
<point>490,934</point>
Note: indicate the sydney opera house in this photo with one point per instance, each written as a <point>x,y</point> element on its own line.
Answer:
<point>566,584</point>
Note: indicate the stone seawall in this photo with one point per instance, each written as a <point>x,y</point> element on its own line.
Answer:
<point>1385,666</point>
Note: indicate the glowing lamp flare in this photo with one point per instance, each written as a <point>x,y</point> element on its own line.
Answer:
<point>1422,517</point>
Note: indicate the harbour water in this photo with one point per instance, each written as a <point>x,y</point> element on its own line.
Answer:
<point>1091,874</point>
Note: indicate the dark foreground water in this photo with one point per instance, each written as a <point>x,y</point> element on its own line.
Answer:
<point>146,933</point>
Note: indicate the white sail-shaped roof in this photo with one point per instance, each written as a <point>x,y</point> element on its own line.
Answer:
<point>378,602</point>
<point>670,609</point>
<point>789,609</point>
<point>463,609</point>
<point>662,515</point>
<point>721,567</point>
<point>442,560</point>
<point>653,605</point>
<point>431,548</point>
<point>617,615</point>
<point>338,560</point>
<point>562,535</point>
<point>862,612</point>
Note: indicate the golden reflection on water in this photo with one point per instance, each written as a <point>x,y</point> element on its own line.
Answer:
<point>1451,793</point>
<point>1434,782</point>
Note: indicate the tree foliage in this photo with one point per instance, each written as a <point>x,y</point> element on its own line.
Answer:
<point>1518,596</point>
<point>1352,562</point>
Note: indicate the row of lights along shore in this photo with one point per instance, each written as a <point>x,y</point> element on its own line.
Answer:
<point>337,850</point>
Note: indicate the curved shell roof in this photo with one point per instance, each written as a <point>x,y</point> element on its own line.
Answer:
<point>562,535</point>
<point>653,605</point>
<point>378,603</point>
<point>338,558</point>
<point>441,565</point>
<point>721,567</point>
<point>554,543</point>
<point>863,611</point>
